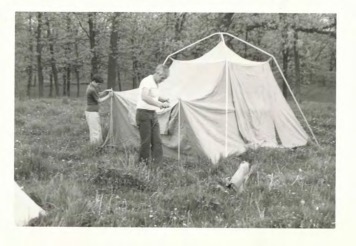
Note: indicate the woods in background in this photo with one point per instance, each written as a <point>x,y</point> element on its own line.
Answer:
<point>57,53</point>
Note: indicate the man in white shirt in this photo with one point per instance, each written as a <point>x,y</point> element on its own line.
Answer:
<point>149,101</point>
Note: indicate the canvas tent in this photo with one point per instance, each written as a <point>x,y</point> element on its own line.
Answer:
<point>25,208</point>
<point>221,104</point>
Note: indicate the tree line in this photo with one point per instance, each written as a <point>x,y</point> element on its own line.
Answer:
<point>57,52</point>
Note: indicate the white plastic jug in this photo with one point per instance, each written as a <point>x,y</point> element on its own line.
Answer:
<point>237,180</point>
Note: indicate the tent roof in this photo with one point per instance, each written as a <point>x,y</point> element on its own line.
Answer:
<point>222,53</point>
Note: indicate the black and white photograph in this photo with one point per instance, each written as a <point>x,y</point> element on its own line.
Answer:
<point>175,120</point>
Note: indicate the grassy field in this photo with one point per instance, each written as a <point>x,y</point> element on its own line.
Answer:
<point>80,186</point>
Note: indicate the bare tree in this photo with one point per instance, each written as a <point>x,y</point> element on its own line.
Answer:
<point>113,55</point>
<point>39,55</point>
<point>92,41</point>
<point>29,68</point>
<point>54,74</point>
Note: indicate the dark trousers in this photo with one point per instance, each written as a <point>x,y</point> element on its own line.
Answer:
<point>151,144</point>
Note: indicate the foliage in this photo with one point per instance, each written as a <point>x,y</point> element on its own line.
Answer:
<point>146,39</point>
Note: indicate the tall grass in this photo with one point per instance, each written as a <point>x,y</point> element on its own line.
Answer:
<point>81,186</point>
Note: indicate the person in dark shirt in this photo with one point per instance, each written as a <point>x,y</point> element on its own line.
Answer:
<point>94,97</point>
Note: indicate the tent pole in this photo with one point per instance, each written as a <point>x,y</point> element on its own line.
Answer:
<point>179,131</point>
<point>245,42</point>
<point>285,80</point>
<point>110,132</point>
<point>190,46</point>
<point>290,90</point>
<point>226,105</point>
<point>222,37</point>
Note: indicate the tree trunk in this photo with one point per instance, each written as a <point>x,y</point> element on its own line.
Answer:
<point>332,62</point>
<point>118,79</point>
<point>77,63</point>
<point>136,75</point>
<point>224,25</point>
<point>285,55</point>
<point>29,80</point>
<point>179,21</point>
<point>92,35</point>
<point>179,24</point>
<point>68,53</point>
<point>50,85</point>
<point>285,51</point>
<point>297,65</point>
<point>56,82</point>
<point>76,70</point>
<point>64,76</point>
<point>112,63</point>
<point>246,39</point>
<point>135,79</point>
<point>68,80</point>
<point>53,60</point>
<point>30,60</point>
<point>55,74</point>
<point>39,56</point>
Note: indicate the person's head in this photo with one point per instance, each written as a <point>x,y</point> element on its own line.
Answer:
<point>161,73</point>
<point>97,79</point>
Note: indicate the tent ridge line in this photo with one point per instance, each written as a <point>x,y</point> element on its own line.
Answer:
<point>221,34</point>
<point>190,45</point>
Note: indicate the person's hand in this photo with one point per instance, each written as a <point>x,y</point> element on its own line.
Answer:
<point>165,105</point>
<point>110,92</point>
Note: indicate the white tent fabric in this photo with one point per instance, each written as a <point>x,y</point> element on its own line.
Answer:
<point>221,103</point>
<point>25,208</point>
<point>222,53</point>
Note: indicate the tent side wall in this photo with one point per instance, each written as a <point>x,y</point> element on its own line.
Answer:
<point>261,108</point>
<point>288,127</point>
<point>122,131</point>
<point>252,104</point>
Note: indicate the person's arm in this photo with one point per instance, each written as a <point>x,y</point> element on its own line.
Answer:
<point>163,99</point>
<point>103,99</point>
<point>101,94</point>
<point>145,95</point>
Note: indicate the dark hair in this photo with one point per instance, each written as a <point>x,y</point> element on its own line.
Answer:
<point>97,78</point>
<point>162,68</point>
